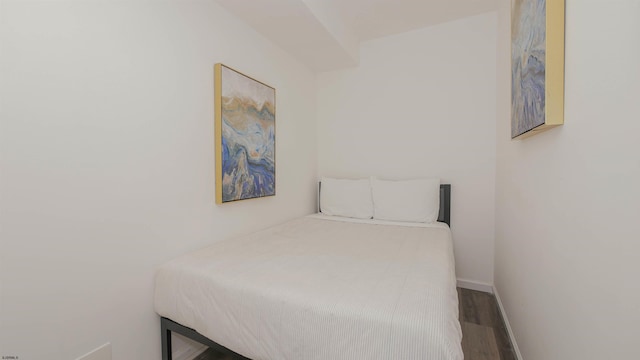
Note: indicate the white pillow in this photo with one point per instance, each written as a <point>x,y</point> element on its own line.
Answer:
<point>408,200</point>
<point>348,198</point>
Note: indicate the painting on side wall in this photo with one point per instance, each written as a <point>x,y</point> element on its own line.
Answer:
<point>537,66</point>
<point>245,136</point>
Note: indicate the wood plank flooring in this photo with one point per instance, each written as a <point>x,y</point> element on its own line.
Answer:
<point>484,335</point>
<point>483,330</point>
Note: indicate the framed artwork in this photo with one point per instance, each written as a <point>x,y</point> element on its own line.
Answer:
<point>537,66</point>
<point>245,136</point>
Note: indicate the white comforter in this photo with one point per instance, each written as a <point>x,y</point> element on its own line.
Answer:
<point>318,289</point>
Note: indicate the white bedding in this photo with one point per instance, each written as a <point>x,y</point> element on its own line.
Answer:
<point>318,289</point>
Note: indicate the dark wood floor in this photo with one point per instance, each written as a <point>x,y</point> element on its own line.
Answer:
<point>484,335</point>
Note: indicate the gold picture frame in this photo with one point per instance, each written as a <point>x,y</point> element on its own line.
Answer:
<point>537,66</point>
<point>244,133</point>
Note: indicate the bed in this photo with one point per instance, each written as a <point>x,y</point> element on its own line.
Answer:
<point>319,287</point>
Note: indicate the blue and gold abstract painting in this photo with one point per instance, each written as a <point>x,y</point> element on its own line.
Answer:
<point>528,65</point>
<point>245,137</point>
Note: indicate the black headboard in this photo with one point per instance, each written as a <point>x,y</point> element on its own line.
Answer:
<point>445,203</point>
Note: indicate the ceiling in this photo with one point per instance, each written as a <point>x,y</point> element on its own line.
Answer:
<point>372,19</point>
<point>325,34</point>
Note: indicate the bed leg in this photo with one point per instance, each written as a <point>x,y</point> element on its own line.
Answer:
<point>166,340</point>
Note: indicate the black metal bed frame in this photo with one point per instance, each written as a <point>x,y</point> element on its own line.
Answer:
<point>445,204</point>
<point>168,326</point>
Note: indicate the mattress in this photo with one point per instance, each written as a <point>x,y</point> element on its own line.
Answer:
<point>317,288</point>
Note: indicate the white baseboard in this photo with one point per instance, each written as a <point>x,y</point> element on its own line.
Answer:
<point>516,350</point>
<point>475,285</point>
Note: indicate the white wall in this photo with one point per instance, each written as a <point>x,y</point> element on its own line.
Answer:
<point>422,103</point>
<point>567,200</point>
<point>106,143</point>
